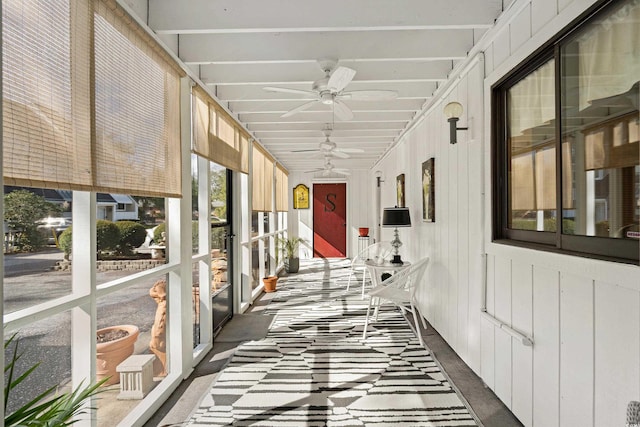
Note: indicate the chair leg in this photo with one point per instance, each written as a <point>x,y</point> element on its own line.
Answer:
<point>366,320</point>
<point>415,320</point>
<point>377,310</point>
<point>351,273</point>
<point>364,279</point>
<point>424,322</point>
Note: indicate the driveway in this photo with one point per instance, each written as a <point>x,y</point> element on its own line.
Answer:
<point>37,262</point>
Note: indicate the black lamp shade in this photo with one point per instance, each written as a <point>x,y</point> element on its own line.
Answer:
<point>396,217</point>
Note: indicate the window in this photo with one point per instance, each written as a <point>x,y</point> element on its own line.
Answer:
<point>566,141</point>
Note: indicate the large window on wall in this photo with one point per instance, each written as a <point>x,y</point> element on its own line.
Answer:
<point>567,137</point>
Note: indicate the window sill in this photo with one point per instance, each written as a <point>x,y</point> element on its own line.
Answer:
<point>555,250</point>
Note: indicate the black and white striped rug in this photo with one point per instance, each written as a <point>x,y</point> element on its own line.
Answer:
<point>314,369</point>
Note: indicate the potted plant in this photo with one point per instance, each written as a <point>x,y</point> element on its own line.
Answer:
<point>289,246</point>
<point>270,283</point>
<point>115,344</point>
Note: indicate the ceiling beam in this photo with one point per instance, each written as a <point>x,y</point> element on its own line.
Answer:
<point>275,74</point>
<point>206,16</point>
<point>351,47</point>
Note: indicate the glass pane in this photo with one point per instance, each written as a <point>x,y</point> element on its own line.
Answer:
<point>35,218</point>
<point>267,257</point>
<point>219,260</point>
<point>46,342</point>
<point>255,264</point>
<point>601,173</point>
<point>131,243</point>
<point>142,310</point>
<point>195,191</point>
<point>218,194</point>
<point>531,150</point>
<point>266,220</point>
<point>255,223</point>
<point>195,302</point>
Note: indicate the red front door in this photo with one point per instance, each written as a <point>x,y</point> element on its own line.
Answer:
<point>330,220</point>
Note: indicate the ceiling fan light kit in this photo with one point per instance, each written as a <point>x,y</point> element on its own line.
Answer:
<point>329,148</point>
<point>329,168</point>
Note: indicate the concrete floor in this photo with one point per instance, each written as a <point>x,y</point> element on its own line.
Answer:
<point>253,326</point>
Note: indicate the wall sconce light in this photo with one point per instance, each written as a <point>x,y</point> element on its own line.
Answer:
<point>378,175</point>
<point>453,111</point>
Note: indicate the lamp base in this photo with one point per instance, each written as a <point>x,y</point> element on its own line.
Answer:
<point>397,260</point>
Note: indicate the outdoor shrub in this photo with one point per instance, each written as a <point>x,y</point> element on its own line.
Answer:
<point>108,235</point>
<point>132,235</point>
<point>157,233</point>
<point>29,240</point>
<point>64,242</point>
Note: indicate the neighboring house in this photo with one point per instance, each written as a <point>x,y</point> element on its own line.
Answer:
<point>114,207</point>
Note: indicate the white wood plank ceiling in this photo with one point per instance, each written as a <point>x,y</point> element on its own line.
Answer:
<point>238,47</point>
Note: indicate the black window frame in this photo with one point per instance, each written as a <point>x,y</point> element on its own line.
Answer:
<point>611,249</point>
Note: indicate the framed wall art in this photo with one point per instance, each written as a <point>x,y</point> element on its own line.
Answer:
<point>400,190</point>
<point>301,197</point>
<point>428,191</point>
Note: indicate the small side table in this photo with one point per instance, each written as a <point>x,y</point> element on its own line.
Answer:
<point>376,270</point>
<point>363,243</point>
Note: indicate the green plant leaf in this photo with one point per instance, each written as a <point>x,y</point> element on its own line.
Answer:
<point>57,411</point>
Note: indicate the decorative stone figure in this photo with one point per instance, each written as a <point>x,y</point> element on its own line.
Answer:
<point>158,343</point>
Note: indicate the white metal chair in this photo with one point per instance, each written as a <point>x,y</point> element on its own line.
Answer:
<point>633,413</point>
<point>399,289</point>
<point>377,252</point>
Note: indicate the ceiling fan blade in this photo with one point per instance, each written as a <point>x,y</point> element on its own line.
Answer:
<point>342,171</point>
<point>339,153</point>
<point>309,150</point>
<point>340,78</point>
<point>350,150</point>
<point>314,170</point>
<point>287,90</point>
<point>298,109</point>
<point>369,95</point>
<point>343,112</point>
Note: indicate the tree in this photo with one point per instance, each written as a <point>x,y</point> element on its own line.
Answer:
<point>150,208</point>
<point>219,192</point>
<point>22,210</point>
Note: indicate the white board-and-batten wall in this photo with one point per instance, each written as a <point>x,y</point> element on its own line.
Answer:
<point>583,315</point>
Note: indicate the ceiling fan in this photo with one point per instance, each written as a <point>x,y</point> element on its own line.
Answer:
<point>329,148</point>
<point>329,90</point>
<point>329,168</point>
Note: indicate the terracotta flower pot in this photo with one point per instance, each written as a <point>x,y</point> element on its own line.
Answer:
<point>363,231</point>
<point>112,353</point>
<point>270,283</point>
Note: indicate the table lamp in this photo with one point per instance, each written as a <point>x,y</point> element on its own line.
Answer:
<point>396,217</point>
